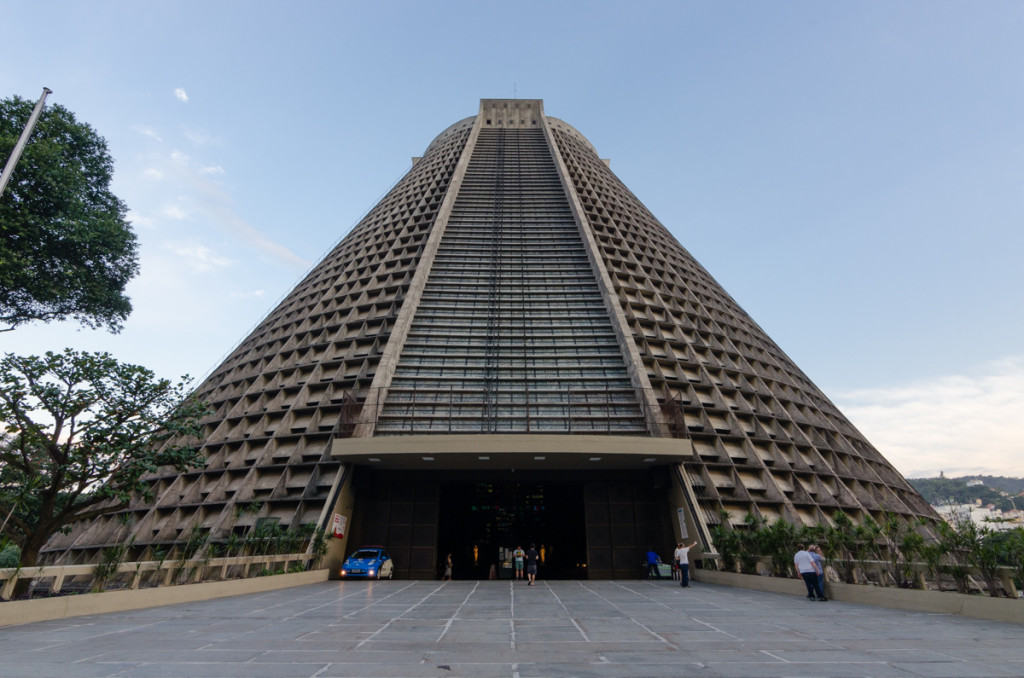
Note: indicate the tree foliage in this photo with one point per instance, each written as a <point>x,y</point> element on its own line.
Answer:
<point>81,430</point>
<point>66,247</point>
<point>10,555</point>
<point>901,544</point>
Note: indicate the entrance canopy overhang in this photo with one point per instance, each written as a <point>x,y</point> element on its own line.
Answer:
<point>511,451</point>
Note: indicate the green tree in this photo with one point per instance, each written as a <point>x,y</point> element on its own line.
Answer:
<point>778,544</point>
<point>987,554</point>
<point>910,549</point>
<point>1014,555</point>
<point>841,541</point>
<point>66,247</point>
<point>10,555</point>
<point>774,542</point>
<point>15,490</point>
<point>750,543</point>
<point>902,545</point>
<point>81,432</point>
<point>319,542</point>
<point>934,556</point>
<point>957,540</point>
<point>726,541</point>
<point>866,543</point>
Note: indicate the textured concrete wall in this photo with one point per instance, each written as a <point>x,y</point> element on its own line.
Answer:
<point>936,602</point>
<point>29,611</point>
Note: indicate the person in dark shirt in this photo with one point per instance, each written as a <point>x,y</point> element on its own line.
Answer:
<point>531,565</point>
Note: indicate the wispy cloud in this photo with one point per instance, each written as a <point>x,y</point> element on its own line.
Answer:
<point>218,204</point>
<point>172,211</point>
<point>139,221</point>
<point>199,258</point>
<point>148,131</point>
<point>959,424</point>
<point>255,294</point>
<point>201,201</point>
<point>180,95</point>
<point>201,139</point>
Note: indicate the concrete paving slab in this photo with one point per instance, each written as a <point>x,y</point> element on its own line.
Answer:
<point>492,629</point>
<point>957,670</point>
<point>804,670</point>
<point>226,670</point>
<point>25,670</point>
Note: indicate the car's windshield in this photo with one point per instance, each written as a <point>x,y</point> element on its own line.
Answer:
<point>361,555</point>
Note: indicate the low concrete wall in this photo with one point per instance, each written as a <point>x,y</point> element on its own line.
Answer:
<point>28,611</point>
<point>938,602</point>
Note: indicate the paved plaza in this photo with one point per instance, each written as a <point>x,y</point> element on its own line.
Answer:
<point>494,628</point>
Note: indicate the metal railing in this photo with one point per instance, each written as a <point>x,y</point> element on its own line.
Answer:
<point>398,410</point>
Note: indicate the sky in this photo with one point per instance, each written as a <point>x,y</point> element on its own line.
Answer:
<point>851,173</point>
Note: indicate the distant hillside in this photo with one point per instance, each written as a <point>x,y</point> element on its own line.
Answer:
<point>943,490</point>
<point>1012,485</point>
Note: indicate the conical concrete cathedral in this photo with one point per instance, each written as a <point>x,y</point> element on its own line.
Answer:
<point>508,349</point>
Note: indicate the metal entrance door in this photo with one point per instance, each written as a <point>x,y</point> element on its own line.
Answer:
<point>399,511</point>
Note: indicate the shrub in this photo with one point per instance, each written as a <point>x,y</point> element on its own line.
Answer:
<point>10,556</point>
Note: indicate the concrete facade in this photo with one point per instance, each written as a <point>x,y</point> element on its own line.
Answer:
<point>509,307</point>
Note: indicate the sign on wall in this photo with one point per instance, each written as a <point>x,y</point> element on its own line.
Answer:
<point>681,515</point>
<point>338,524</point>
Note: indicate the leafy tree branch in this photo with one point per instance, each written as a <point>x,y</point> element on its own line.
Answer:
<point>80,433</point>
<point>67,249</point>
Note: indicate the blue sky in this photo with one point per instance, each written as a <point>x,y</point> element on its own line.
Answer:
<point>852,173</point>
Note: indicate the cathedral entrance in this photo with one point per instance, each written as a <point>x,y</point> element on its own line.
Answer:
<point>481,522</point>
<point>587,524</point>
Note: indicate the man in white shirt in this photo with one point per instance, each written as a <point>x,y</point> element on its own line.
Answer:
<point>681,555</point>
<point>809,570</point>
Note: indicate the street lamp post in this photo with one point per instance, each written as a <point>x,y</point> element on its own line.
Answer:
<point>20,146</point>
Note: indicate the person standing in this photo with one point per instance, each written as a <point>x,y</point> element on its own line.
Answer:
<point>531,565</point>
<point>819,560</point>
<point>809,570</point>
<point>652,564</point>
<point>447,568</point>
<point>519,557</point>
<point>682,557</point>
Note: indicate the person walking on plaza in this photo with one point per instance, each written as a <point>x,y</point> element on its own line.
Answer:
<point>682,559</point>
<point>447,576</point>
<point>809,570</point>
<point>652,564</point>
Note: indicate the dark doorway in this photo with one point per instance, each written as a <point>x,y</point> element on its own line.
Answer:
<point>481,522</point>
<point>592,525</point>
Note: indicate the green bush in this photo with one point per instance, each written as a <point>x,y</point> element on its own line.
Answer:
<point>10,556</point>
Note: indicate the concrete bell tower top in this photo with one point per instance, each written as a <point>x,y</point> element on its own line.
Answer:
<point>512,113</point>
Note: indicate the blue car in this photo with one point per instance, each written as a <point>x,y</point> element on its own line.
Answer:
<point>369,562</point>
